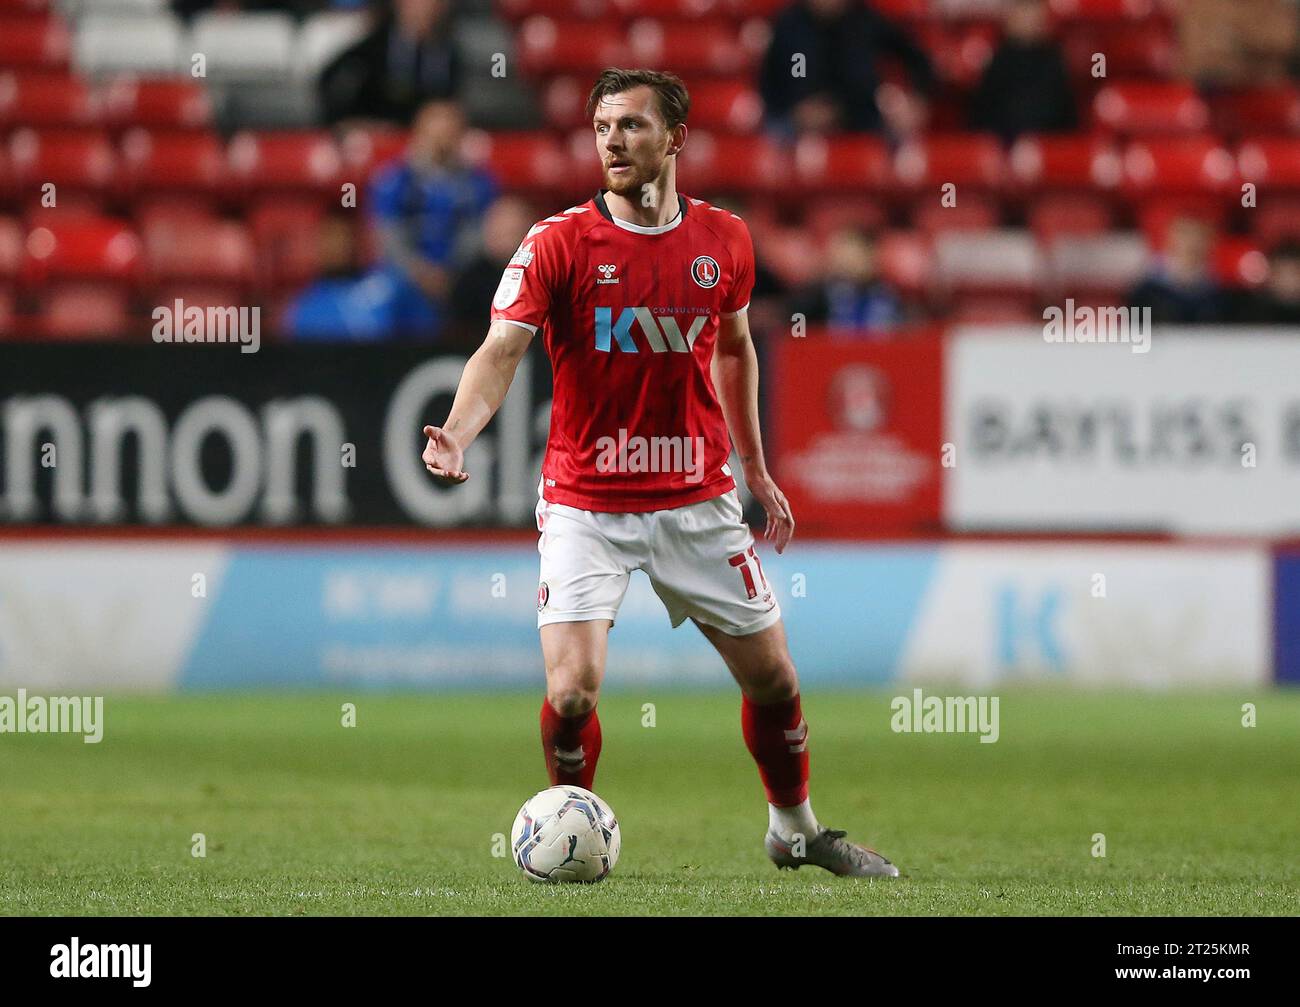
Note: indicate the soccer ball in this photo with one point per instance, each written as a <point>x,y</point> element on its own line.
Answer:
<point>565,834</point>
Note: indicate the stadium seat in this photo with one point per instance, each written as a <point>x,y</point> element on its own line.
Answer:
<point>1270,162</point>
<point>696,47</point>
<point>549,46</point>
<point>830,213</point>
<point>960,53</point>
<point>1177,164</point>
<point>219,251</point>
<point>286,238</point>
<point>969,161</point>
<point>144,45</point>
<point>8,314</point>
<point>99,248</point>
<point>972,212</point>
<point>906,261</point>
<point>1150,107</point>
<point>1097,269</point>
<point>158,103</point>
<point>839,163</point>
<point>989,262</point>
<point>45,99</point>
<point>1069,214</point>
<point>298,161</point>
<point>994,309</point>
<point>1240,262</point>
<point>78,160</point>
<point>1146,53</point>
<point>34,41</point>
<point>1275,219</point>
<point>169,162</point>
<point>244,46</point>
<point>365,148</point>
<point>711,162</point>
<point>1102,10</point>
<point>1154,215</point>
<point>526,160</point>
<point>1085,161</point>
<point>1258,110</point>
<point>83,311</point>
<point>731,105</point>
<point>11,249</point>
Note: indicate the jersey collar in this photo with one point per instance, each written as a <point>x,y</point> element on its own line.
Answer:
<point>682,204</point>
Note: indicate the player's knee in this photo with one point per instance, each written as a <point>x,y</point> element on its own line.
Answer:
<point>571,697</point>
<point>773,682</point>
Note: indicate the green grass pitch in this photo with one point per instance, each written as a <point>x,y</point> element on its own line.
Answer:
<point>397,815</point>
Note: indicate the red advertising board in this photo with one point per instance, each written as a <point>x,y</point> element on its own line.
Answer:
<point>856,431</point>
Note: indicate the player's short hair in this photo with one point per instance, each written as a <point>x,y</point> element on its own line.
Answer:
<point>673,99</point>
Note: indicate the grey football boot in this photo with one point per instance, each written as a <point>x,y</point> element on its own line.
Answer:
<point>829,849</point>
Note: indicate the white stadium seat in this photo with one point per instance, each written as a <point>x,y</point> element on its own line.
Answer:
<point>106,44</point>
<point>324,36</point>
<point>244,45</point>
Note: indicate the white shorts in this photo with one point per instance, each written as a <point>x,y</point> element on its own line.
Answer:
<point>700,560</point>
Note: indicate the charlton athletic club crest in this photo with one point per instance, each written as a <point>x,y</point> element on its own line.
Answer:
<point>543,595</point>
<point>705,271</point>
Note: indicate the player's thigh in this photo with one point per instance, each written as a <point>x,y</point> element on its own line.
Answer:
<point>704,566</point>
<point>587,560</point>
<point>574,654</point>
<point>759,662</point>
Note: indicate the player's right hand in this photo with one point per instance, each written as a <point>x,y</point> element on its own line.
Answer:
<point>443,457</point>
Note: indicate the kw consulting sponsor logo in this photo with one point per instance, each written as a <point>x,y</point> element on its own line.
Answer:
<point>25,714</point>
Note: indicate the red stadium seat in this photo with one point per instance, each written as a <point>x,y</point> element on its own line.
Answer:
<point>82,248</point>
<point>365,149</point>
<point>831,213</point>
<point>1274,219</point>
<point>1147,52</point>
<point>286,235</point>
<point>166,104</point>
<point>839,163</point>
<point>959,53</point>
<point>83,311</point>
<point>1069,214</point>
<point>1065,162</point>
<point>972,212</point>
<point>1177,165</point>
<point>731,105</point>
<point>173,162</point>
<point>1150,107</point>
<point>79,160</point>
<point>1240,262</point>
<point>1157,213</point>
<point>11,248</point>
<point>44,99</point>
<point>219,251</point>
<point>1103,10</point>
<point>748,164</point>
<point>296,161</point>
<point>1258,110</point>
<point>549,46</point>
<point>696,47</point>
<point>526,160</point>
<point>972,160</point>
<point>32,41</point>
<point>1271,162</point>
<point>906,261</point>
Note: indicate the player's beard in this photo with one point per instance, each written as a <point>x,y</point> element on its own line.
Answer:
<point>630,185</point>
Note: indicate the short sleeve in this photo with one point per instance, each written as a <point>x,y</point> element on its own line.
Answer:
<point>524,294</point>
<point>742,280</point>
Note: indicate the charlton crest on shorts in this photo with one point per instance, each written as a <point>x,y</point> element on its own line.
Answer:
<point>543,595</point>
<point>705,271</point>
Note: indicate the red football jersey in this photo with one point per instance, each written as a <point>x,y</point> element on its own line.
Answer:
<point>629,317</point>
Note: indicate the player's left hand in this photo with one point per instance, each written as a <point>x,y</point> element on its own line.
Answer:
<point>780,521</point>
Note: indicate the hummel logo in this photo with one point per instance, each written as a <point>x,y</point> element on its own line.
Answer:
<point>607,272</point>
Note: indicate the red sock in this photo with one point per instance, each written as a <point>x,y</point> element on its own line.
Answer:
<point>571,746</point>
<point>777,736</point>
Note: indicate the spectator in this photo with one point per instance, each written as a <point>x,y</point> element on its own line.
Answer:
<point>1025,87</point>
<point>407,59</point>
<point>505,223</point>
<point>820,71</point>
<point>852,299</point>
<point>1278,303</point>
<point>1182,290</point>
<point>427,209</point>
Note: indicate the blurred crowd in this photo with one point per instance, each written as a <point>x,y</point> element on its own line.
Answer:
<point>444,230</point>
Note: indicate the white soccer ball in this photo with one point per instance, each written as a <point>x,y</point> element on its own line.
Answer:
<point>565,834</point>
